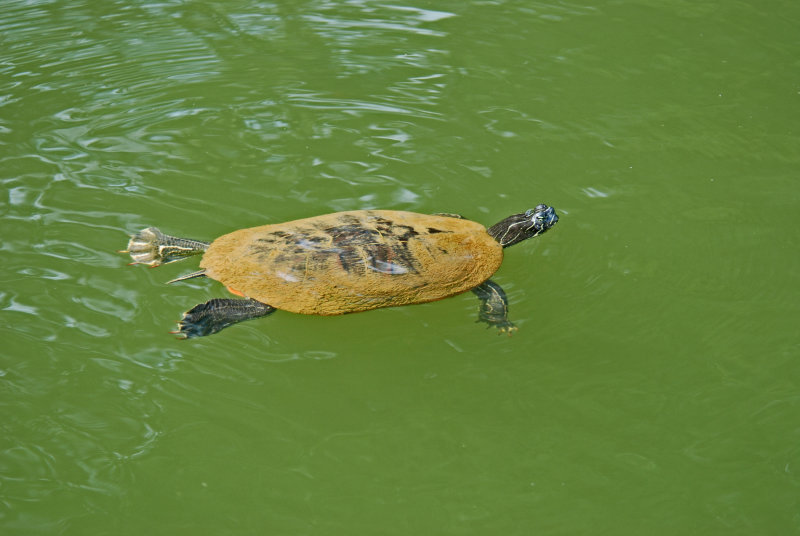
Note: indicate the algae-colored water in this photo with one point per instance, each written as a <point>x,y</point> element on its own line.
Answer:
<point>652,387</point>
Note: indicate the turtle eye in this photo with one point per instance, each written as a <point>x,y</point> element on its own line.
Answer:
<point>529,212</point>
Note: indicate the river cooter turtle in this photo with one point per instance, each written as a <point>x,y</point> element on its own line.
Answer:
<point>346,262</point>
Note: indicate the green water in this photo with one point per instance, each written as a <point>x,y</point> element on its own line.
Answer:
<point>652,388</point>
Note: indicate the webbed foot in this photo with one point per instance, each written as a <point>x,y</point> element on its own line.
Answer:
<point>494,307</point>
<point>152,247</point>
<point>217,314</point>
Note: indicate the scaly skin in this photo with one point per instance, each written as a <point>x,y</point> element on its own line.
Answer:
<point>494,307</point>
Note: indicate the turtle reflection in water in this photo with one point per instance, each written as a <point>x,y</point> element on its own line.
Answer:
<point>346,262</point>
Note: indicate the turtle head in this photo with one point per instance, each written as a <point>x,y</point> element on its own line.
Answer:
<point>519,227</point>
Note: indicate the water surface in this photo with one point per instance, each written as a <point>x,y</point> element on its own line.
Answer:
<point>652,387</point>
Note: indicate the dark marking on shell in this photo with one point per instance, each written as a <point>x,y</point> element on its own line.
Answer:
<point>276,241</point>
<point>383,248</point>
<point>380,246</point>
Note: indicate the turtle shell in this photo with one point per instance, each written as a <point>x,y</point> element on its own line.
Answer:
<point>354,261</point>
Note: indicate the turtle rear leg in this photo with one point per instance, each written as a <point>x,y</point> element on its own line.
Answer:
<point>151,246</point>
<point>494,307</point>
<point>217,314</point>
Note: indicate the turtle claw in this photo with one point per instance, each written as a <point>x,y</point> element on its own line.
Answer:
<point>182,336</point>
<point>196,322</point>
<point>506,328</point>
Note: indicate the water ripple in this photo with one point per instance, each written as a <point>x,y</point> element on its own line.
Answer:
<point>206,117</point>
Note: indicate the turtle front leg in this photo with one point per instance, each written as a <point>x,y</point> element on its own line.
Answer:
<point>152,247</point>
<point>217,314</point>
<point>494,307</point>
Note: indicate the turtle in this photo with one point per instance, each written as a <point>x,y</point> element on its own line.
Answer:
<point>345,262</point>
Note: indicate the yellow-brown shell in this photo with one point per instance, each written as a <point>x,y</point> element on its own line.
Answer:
<point>354,261</point>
